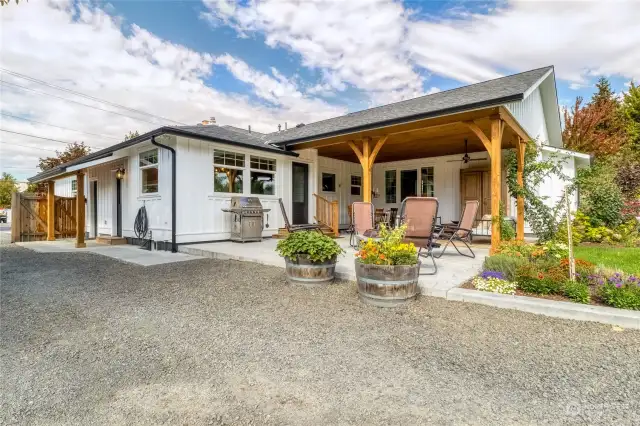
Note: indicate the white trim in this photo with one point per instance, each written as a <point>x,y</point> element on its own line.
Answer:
<point>566,151</point>
<point>535,85</point>
<point>96,162</point>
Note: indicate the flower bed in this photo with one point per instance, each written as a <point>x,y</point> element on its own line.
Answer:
<point>543,271</point>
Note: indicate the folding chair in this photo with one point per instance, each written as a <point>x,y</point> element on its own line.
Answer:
<point>363,225</point>
<point>419,214</point>
<point>461,231</point>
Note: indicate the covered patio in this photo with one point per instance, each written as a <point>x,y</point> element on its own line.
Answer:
<point>490,130</point>
<point>453,269</point>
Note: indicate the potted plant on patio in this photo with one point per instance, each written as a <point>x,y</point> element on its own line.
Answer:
<point>387,269</point>
<point>310,257</point>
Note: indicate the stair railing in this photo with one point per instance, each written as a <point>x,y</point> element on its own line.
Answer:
<point>328,214</point>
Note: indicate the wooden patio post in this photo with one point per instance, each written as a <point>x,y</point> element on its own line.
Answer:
<point>367,157</point>
<point>51,210</point>
<point>497,127</point>
<point>521,147</point>
<point>80,211</point>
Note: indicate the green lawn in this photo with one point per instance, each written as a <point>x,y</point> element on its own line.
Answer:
<point>625,259</point>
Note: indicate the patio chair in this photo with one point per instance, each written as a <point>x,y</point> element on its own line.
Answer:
<point>419,214</point>
<point>363,225</point>
<point>295,228</point>
<point>460,231</point>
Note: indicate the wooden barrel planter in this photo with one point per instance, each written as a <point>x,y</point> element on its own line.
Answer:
<point>303,271</point>
<point>387,286</point>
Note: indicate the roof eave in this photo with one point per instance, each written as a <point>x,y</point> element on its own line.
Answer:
<point>59,170</point>
<point>402,120</point>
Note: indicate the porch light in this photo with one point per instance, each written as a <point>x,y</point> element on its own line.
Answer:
<point>120,173</point>
<point>375,193</point>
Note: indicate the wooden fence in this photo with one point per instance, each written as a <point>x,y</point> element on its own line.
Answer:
<point>29,217</point>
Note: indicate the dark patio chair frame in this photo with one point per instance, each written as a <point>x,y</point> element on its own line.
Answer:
<point>452,231</point>
<point>428,242</point>
<point>295,228</point>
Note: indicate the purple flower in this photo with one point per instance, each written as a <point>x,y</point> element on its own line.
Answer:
<point>492,274</point>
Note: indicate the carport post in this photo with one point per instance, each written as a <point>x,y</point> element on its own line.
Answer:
<point>80,209</point>
<point>51,211</point>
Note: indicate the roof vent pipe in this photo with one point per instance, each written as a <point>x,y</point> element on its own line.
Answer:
<point>279,127</point>
<point>249,128</point>
<point>285,125</point>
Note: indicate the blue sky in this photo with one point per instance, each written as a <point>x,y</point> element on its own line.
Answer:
<point>263,63</point>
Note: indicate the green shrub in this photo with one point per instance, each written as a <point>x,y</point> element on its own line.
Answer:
<point>317,246</point>
<point>600,196</point>
<point>494,285</point>
<point>506,264</point>
<point>577,291</point>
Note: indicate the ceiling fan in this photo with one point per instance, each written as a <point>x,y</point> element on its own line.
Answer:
<point>465,159</point>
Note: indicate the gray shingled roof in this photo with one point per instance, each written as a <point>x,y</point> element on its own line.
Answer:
<point>488,93</point>
<point>209,133</point>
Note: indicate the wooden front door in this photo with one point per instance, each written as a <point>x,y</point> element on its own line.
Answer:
<point>472,188</point>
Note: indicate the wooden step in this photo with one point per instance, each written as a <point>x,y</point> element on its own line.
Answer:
<point>109,240</point>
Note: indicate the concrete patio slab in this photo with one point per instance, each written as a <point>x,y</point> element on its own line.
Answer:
<point>453,269</point>
<point>124,253</point>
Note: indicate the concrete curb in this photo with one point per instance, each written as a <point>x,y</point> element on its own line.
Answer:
<point>567,310</point>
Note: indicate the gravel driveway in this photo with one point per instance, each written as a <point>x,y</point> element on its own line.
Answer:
<point>89,340</point>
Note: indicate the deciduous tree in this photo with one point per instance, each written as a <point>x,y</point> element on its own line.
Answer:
<point>8,185</point>
<point>72,151</point>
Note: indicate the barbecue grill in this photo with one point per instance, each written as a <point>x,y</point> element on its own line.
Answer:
<point>247,219</point>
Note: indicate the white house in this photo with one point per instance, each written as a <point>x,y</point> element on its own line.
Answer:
<point>382,154</point>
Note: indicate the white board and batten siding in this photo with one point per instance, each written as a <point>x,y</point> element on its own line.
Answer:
<point>343,170</point>
<point>200,216</point>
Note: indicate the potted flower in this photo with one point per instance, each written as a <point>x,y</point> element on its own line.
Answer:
<point>310,257</point>
<point>387,269</point>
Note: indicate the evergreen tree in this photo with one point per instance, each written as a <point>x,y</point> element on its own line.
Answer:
<point>604,92</point>
<point>631,111</point>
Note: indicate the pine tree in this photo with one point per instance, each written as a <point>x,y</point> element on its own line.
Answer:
<point>604,92</point>
<point>631,111</point>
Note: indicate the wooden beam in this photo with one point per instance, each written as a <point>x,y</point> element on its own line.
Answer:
<point>473,126</point>
<point>497,127</point>
<point>356,150</point>
<point>377,149</point>
<point>366,169</point>
<point>506,117</point>
<point>16,217</point>
<point>520,151</point>
<point>80,211</point>
<point>51,211</point>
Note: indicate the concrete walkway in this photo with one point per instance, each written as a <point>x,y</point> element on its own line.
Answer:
<point>453,269</point>
<point>124,253</point>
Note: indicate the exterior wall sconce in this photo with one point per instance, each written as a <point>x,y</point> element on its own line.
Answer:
<point>120,173</point>
<point>375,193</point>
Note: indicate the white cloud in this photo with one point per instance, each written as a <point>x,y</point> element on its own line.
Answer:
<point>358,42</point>
<point>278,89</point>
<point>84,49</point>
<point>582,39</point>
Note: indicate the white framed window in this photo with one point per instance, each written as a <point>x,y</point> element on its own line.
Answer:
<point>356,185</point>
<point>428,182</point>
<point>228,171</point>
<point>74,186</point>
<point>262,175</point>
<point>148,164</point>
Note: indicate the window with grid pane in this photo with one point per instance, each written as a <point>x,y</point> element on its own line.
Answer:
<point>390,186</point>
<point>227,158</point>
<point>74,186</point>
<point>356,184</point>
<point>261,163</point>
<point>148,163</point>
<point>428,182</point>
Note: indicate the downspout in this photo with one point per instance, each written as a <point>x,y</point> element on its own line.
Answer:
<point>173,192</point>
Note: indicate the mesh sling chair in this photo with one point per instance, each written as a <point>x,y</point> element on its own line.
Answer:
<point>461,231</point>
<point>419,214</point>
<point>362,224</point>
<point>294,228</point>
